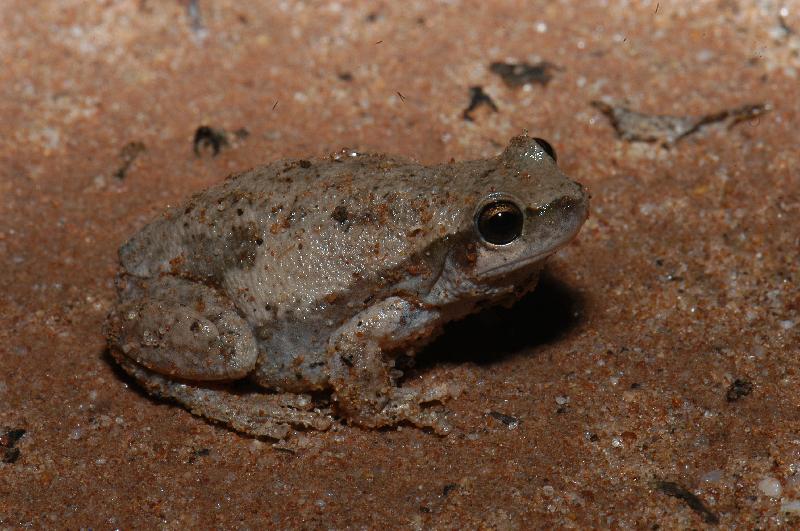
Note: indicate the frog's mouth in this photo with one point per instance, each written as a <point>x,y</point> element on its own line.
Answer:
<point>517,264</point>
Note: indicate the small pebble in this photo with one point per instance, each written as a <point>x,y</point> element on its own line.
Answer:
<point>256,446</point>
<point>790,506</point>
<point>711,476</point>
<point>770,487</point>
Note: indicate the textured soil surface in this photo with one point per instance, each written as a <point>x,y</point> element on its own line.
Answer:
<point>651,380</point>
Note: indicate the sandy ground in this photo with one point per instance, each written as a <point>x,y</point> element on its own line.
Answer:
<point>651,381</point>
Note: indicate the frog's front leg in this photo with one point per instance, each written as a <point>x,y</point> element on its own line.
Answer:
<point>361,378</point>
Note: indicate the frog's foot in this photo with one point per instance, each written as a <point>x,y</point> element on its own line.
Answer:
<point>410,405</point>
<point>365,392</point>
<point>258,414</point>
<point>182,329</point>
<point>374,405</point>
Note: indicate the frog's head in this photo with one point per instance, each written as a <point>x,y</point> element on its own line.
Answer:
<point>526,209</point>
<point>529,213</point>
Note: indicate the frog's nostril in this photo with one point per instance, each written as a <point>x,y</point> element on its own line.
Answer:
<point>564,203</point>
<point>575,193</point>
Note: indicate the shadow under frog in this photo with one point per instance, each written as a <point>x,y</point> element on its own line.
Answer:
<point>542,316</point>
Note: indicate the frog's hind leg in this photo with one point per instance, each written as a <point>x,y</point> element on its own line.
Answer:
<point>182,329</point>
<point>258,414</point>
<point>182,339</point>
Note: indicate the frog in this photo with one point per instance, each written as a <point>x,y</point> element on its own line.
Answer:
<point>283,299</point>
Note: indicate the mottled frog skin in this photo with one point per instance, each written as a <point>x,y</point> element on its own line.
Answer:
<point>312,276</point>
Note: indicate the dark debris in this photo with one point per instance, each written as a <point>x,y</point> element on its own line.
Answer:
<point>671,488</point>
<point>516,75</point>
<point>511,422</point>
<point>340,214</point>
<point>200,452</point>
<point>241,133</point>
<point>738,389</point>
<point>639,127</point>
<point>206,136</point>
<point>8,441</point>
<point>787,30</point>
<point>477,99</point>
<point>195,18</point>
<point>128,154</point>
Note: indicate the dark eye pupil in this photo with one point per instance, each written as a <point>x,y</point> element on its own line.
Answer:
<point>500,222</point>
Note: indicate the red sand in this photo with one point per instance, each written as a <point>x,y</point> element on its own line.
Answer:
<point>620,369</point>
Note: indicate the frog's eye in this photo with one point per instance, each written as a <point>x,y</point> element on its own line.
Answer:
<point>545,145</point>
<point>500,222</point>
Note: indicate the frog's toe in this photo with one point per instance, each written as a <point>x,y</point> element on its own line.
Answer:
<point>440,392</point>
<point>434,418</point>
<point>413,406</point>
<point>258,414</point>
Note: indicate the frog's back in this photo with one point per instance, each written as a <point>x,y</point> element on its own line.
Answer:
<point>295,232</point>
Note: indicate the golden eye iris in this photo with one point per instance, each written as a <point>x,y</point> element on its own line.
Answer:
<point>500,222</point>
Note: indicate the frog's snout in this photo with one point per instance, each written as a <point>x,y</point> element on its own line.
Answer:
<point>577,203</point>
<point>558,222</point>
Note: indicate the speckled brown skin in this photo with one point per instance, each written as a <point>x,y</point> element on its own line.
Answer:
<point>303,275</point>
